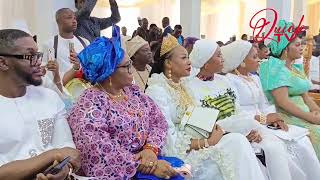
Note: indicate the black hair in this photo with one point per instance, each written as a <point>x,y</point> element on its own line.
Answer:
<point>152,25</point>
<point>244,35</point>
<point>220,43</point>
<point>178,26</point>
<point>8,38</point>
<point>60,12</point>
<point>158,66</point>
<point>262,45</point>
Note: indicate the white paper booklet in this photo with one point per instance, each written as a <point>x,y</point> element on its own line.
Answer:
<point>294,133</point>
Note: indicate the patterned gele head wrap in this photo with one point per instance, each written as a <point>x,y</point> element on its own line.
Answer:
<point>276,47</point>
<point>100,59</point>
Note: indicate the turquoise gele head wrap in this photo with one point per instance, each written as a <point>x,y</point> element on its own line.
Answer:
<point>276,47</point>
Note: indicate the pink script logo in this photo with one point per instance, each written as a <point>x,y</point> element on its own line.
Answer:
<point>261,23</point>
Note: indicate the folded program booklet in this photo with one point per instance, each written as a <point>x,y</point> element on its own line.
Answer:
<point>199,121</point>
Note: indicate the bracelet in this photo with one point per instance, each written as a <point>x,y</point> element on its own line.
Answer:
<point>262,119</point>
<point>206,143</point>
<point>199,147</point>
<point>152,148</point>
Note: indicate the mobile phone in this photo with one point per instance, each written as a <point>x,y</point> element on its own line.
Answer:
<point>273,127</point>
<point>260,155</point>
<point>71,47</point>
<point>51,54</point>
<point>57,168</point>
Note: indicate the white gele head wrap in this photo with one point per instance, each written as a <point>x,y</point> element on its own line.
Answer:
<point>234,54</point>
<point>202,51</point>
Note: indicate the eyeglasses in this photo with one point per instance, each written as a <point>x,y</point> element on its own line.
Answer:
<point>33,58</point>
<point>129,67</point>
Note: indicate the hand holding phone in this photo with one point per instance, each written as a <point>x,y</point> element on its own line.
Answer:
<point>55,169</point>
<point>71,47</point>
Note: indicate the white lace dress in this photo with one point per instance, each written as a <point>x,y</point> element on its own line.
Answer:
<point>231,159</point>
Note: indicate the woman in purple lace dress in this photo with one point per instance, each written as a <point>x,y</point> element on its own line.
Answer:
<point>118,129</point>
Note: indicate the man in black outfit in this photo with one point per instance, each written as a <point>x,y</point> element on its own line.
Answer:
<point>89,27</point>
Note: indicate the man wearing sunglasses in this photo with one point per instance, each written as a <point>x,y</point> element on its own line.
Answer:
<point>33,131</point>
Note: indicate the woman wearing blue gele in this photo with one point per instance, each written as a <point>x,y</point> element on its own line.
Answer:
<point>117,128</point>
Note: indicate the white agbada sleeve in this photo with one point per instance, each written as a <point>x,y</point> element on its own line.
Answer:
<point>62,136</point>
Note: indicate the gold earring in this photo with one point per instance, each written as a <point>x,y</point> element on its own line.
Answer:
<point>243,64</point>
<point>110,82</point>
<point>169,74</point>
<point>285,55</point>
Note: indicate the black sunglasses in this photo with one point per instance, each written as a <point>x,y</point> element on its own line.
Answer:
<point>33,58</point>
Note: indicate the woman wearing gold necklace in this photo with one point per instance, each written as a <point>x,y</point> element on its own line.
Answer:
<point>219,157</point>
<point>241,61</point>
<point>117,128</point>
<point>286,86</point>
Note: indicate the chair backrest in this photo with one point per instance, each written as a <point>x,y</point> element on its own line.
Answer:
<point>307,54</point>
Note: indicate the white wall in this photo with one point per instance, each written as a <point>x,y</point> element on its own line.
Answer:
<point>39,15</point>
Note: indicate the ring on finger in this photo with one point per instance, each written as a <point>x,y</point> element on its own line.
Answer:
<point>150,164</point>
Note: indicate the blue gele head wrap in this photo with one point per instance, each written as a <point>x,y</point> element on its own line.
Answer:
<point>100,59</point>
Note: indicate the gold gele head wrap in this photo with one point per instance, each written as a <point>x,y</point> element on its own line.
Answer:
<point>169,42</point>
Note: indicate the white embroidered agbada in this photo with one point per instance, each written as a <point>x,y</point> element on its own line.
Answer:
<point>232,158</point>
<point>303,162</point>
<point>32,124</point>
<point>252,100</point>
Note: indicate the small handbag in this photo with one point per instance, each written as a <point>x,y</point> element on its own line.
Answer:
<point>198,122</point>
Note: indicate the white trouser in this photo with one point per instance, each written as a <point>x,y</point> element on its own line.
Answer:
<point>277,158</point>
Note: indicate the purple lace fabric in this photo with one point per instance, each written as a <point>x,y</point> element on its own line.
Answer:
<point>109,134</point>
